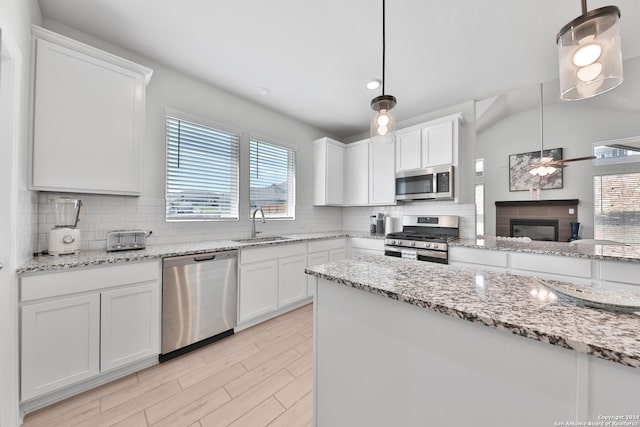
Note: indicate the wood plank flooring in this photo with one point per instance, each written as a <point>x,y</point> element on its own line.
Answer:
<point>262,376</point>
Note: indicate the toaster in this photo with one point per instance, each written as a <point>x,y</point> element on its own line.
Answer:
<point>126,240</point>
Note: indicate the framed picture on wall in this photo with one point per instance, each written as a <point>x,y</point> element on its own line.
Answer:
<point>521,180</point>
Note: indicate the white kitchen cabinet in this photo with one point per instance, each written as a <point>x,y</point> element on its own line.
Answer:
<point>408,149</point>
<point>292,280</point>
<point>322,252</point>
<point>328,172</point>
<point>88,115</point>
<point>382,174</point>
<point>80,324</point>
<point>129,325</point>
<point>60,343</point>
<point>258,289</point>
<point>272,280</point>
<point>356,173</point>
<point>428,144</point>
<point>437,144</point>
<point>364,246</point>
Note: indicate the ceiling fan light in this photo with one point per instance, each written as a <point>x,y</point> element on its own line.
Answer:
<point>593,36</point>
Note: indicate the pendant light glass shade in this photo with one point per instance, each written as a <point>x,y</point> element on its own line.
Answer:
<point>383,121</point>
<point>589,54</point>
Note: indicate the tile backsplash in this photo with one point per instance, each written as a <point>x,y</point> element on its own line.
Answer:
<point>102,213</point>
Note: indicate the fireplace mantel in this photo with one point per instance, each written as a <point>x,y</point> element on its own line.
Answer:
<point>558,202</point>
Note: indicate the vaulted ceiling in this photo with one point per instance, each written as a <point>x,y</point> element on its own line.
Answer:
<point>311,59</point>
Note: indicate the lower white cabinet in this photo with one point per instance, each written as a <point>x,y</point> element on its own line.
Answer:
<point>322,252</point>
<point>80,324</point>
<point>292,283</point>
<point>60,343</point>
<point>364,246</point>
<point>270,278</point>
<point>258,289</point>
<point>129,325</point>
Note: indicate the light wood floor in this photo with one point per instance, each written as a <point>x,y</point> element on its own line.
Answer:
<point>260,376</point>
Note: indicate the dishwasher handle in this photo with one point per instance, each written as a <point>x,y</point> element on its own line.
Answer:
<point>193,259</point>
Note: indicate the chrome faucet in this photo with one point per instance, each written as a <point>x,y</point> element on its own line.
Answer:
<point>253,222</point>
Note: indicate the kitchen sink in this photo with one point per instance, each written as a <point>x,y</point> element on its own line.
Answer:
<point>261,239</point>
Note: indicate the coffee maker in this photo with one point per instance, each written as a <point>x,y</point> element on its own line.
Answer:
<point>64,237</point>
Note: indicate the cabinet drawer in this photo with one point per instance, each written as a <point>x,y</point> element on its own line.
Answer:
<point>271,252</point>
<point>52,284</point>
<point>625,272</point>
<point>371,244</point>
<point>478,256</point>
<point>326,245</point>
<point>550,264</point>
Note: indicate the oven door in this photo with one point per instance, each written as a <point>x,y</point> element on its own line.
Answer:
<point>440,257</point>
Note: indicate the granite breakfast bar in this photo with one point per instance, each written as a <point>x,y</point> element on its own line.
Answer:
<point>403,342</point>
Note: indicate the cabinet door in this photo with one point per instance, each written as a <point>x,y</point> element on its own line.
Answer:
<point>258,289</point>
<point>292,283</point>
<point>356,175</point>
<point>382,174</point>
<point>60,343</point>
<point>335,174</point>
<point>337,254</point>
<point>130,325</point>
<point>315,258</point>
<point>88,123</point>
<point>437,143</point>
<point>408,149</point>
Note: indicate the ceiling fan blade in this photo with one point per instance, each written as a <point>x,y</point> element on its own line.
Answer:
<point>576,159</point>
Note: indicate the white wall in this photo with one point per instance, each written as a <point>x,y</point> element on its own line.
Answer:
<point>169,88</point>
<point>16,17</point>
<point>572,126</point>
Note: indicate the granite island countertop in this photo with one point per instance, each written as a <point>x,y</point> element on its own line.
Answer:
<point>516,304</point>
<point>607,252</point>
<point>96,257</point>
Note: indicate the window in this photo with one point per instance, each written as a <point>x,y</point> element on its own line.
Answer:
<point>480,166</point>
<point>202,171</point>
<point>617,207</point>
<point>272,180</point>
<point>479,210</point>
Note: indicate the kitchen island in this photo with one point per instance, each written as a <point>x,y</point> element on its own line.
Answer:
<point>403,342</point>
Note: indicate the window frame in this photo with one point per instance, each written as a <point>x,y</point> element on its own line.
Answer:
<point>292,174</point>
<point>204,122</point>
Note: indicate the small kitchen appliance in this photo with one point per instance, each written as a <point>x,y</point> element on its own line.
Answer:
<point>64,237</point>
<point>424,238</point>
<point>126,240</point>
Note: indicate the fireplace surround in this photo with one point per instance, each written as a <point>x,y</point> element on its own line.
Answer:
<point>563,211</point>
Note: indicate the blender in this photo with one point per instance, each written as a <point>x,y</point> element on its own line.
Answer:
<point>64,237</point>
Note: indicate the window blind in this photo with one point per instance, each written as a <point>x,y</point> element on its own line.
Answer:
<point>202,172</point>
<point>272,179</point>
<point>617,207</point>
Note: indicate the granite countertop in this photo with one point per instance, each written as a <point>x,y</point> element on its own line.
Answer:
<point>101,256</point>
<point>518,304</point>
<point>609,252</point>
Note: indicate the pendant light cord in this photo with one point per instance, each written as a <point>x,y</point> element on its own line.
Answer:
<point>384,44</point>
<point>584,7</point>
<point>541,123</point>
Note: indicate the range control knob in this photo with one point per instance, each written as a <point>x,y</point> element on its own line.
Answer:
<point>413,243</point>
<point>427,245</point>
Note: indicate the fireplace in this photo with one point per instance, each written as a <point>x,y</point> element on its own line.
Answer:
<point>536,229</point>
<point>561,212</point>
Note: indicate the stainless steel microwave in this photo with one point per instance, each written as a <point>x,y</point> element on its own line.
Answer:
<point>422,184</point>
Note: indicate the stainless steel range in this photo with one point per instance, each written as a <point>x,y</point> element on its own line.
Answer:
<point>424,238</point>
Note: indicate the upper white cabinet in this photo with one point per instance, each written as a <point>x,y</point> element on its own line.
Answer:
<point>328,172</point>
<point>428,144</point>
<point>356,173</point>
<point>88,115</point>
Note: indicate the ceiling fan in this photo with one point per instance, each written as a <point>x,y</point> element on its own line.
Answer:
<point>548,165</point>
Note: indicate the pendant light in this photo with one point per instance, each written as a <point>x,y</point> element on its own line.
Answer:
<point>383,122</point>
<point>589,53</point>
<point>543,167</point>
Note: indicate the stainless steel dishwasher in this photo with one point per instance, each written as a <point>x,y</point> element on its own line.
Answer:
<point>199,301</point>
